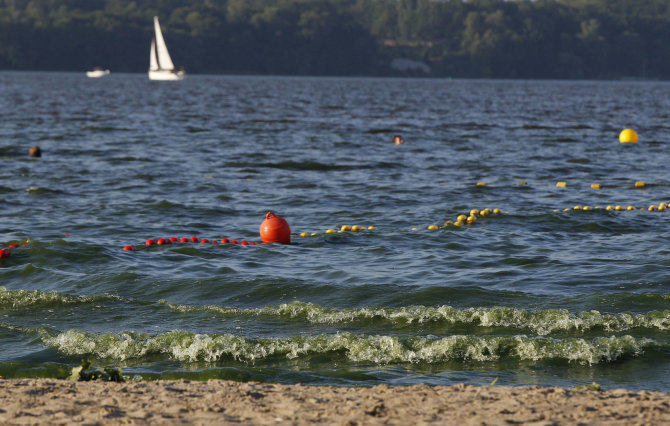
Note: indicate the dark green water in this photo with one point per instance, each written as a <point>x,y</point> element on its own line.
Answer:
<point>532,295</point>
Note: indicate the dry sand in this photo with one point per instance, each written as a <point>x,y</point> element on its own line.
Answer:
<point>50,401</point>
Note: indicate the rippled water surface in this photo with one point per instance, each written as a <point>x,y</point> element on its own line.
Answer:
<point>540,293</point>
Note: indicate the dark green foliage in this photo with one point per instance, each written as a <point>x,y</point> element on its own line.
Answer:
<point>475,38</point>
<point>85,373</point>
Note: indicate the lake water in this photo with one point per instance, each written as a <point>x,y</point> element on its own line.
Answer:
<point>531,295</point>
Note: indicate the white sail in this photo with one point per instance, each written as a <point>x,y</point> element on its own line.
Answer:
<point>153,60</point>
<point>164,60</point>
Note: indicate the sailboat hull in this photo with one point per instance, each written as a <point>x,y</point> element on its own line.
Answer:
<point>165,75</point>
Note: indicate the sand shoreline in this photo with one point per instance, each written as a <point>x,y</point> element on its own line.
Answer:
<point>52,401</point>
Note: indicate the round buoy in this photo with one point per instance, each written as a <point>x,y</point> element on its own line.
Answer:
<point>161,241</point>
<point>275,229</point>
<point>184,240</point>
<point>225,240</point>
<point>129,248</point>
<point>4,253</point>
<point>150,242</point>
<point>628,136</point>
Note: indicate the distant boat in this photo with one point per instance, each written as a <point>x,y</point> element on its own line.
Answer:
<point>97,73</point>
<point>160,63</point>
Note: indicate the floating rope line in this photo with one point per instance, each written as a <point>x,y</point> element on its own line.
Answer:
<point>565,184</point>
<point>6,252</point>
<point>174,240</point>
<point>652,208</point>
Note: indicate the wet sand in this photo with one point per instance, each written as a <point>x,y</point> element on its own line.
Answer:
<point>51,401</point>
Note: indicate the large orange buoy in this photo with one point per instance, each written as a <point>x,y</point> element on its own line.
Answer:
<point>275,229</point>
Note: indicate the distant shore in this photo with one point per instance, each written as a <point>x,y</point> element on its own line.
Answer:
<point>52,401</point>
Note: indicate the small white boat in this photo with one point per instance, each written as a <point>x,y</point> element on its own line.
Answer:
<point>160,63</point>
<point>97,72</point>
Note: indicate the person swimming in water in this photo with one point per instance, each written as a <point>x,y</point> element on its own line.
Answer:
<point>398,140</point>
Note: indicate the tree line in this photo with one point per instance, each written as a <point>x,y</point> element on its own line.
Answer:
<point>453,38</point>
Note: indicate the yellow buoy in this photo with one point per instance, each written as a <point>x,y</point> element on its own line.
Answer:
<point>628,136</point>
<point>313,234</point>
<point>521,182</point>
<point>304,234</point>
<point>566,209</point>
<point>587,207</point>
<point>474,212</point>
<point>595,186</point>
<point>458,223</point>
<point>461,218</point>
<point>484,213</point>
<point>356,228</point>
<point>371,227</point>
<point>640,184</point>
<point>448,222</point>
<point>561,184</point>
<point>472,219</point>
<point>577,207</point>
<point>481,183</point>
<point>630,208</point>
<point>415,229</point>
<point>496,211</point>
<point>432,227</point>
<point>330,231</point>
<point>609,208</point>
<point>652,208</point>
<point>345,228</point>
<point>618,208</point>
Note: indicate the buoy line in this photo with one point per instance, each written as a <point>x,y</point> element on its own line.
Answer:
<point>175,240</point>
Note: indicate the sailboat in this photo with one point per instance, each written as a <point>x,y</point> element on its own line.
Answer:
<point>160,63</point>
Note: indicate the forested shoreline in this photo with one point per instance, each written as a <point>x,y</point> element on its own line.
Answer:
<point>573,39</point>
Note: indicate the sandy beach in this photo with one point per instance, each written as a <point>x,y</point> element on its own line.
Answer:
<point>51,401</point>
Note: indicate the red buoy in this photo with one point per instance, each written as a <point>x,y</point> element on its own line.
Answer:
<point>225,240</point>
<point>129,248</point>
<point>184,240</point>
<point>275,229</point>
<point>161,241</point>
<point>195,239</point>
<point>150,242</point>
<point>4,253</point>
<point>174,239</point>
